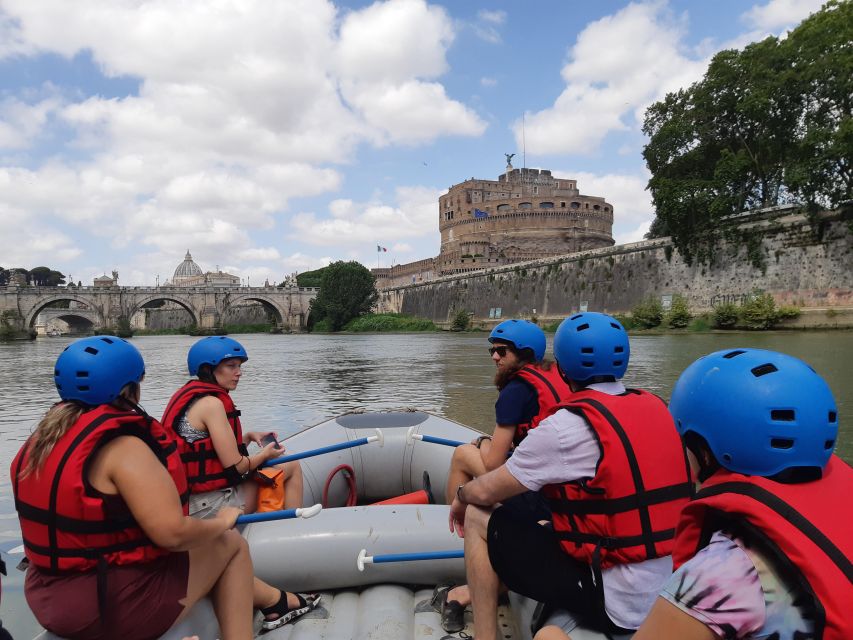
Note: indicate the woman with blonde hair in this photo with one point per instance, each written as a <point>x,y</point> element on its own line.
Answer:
<point>100,494</point>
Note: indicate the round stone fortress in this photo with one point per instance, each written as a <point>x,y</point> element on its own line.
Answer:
<point>525,214</point>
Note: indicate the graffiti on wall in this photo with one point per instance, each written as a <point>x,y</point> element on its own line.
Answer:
<point>731,298</point>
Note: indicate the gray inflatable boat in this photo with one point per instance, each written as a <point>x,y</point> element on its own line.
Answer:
<point>351,554</point>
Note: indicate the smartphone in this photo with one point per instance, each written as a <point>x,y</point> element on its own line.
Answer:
<point>270,439</point>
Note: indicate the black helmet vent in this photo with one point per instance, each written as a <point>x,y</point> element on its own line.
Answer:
<point>782,415</point>
<point>829,444</point>
<point>618,349</point>
<point>732,354</point>
<point>781,443</point>
<point>91,350</point>
<point>82,374</point>
<point>833,417</point>
<point>764,369</point>
<point>615,326</point>
<point>576,317</point>
<point>582,327</point>
<point>587,350</point>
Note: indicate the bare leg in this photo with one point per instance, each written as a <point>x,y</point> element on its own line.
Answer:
<point>292,484</point>
<point>482,579</point>
<point>465,464</point>
<point>223,569</point>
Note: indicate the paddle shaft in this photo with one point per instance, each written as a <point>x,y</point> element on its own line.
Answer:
<point>444,441</point>
<point>320,451</point>
<point>426,555</point>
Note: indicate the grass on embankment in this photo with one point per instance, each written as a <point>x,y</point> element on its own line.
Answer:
<point>378,322</point>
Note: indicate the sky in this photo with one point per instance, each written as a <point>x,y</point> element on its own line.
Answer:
<point>269,138</point>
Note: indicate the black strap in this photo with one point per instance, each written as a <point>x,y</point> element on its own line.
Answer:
<point>611,506</point>
<point>73,525</point>
<point>617,542</point>
<point>88,553</point>
<point>545,380</point>
<point>786,511</point>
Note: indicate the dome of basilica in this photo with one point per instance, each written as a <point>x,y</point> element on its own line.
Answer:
<point>187,269</point>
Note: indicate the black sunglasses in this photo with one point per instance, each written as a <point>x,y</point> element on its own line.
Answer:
<point>501,351</point>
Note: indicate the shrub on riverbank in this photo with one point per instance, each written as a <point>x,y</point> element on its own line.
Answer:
<point>725,316</point>
<point>461,320</point>
<point>647,314</point>
<point>679,313</point>
<point>388,322</point>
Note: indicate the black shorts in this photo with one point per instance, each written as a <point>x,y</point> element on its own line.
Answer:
<point>528,559</point>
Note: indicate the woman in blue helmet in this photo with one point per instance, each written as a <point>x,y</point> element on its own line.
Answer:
<point>530,388</point>
<point>764,549</point>
<point>213,448</point>
<point>99,490</point>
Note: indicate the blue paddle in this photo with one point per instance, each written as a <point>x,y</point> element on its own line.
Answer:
<point>411,435</point>
<point>284,514</point>
<point>364,559</point>
<point>332,447</point>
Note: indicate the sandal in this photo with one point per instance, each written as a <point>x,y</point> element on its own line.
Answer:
<point>452,612</point>
<point>307,602</point>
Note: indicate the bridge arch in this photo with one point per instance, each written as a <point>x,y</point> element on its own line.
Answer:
<point>139,305</point>
<point>280,314</point>
<point>91,309</point>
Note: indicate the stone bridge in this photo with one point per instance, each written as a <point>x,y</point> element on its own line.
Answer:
<point>103,307</point>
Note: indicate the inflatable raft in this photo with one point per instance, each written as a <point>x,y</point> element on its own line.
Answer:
<point>363,559</point>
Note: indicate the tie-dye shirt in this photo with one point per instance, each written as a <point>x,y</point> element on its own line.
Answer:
<point>736,591</point>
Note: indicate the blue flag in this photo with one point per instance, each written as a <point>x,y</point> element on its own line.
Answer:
<point>480,214</point>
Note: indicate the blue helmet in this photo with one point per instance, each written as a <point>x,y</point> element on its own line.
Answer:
<point>760,412</point>
<point>94,370</point>
<point>213,350</point>
<point>591,344</point>
<point>522,334</point>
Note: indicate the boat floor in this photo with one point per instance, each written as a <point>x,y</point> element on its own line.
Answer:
<point>382,612</point>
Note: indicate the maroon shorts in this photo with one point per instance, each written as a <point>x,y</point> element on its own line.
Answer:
<point>143,600</point>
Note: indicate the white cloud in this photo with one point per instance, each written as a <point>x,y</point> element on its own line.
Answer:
<point>488,82</point>
<point>360,226</point>
<point>606,85</point>
<point>778,14</point>
<point>487,26</point>
<point>632,204</point>
<point>240,108</point>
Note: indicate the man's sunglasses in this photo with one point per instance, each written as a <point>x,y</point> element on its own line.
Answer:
<point>501,351</point>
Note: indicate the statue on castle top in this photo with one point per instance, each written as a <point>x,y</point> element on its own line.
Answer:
<point>509,157</point>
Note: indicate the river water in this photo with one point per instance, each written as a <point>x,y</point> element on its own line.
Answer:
<point>293,381</point>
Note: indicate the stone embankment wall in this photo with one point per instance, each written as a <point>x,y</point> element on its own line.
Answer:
<point>810,266</point>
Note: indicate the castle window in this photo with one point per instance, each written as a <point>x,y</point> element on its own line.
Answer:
<point>546,205</point>
<point>596,207</point>
<point>576,205</point>
<point>562,205</point>
<point>525,205</point>
<point>607,208</point>
<point>503,207</point>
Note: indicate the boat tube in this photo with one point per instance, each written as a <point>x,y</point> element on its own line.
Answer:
<point>377,601</point>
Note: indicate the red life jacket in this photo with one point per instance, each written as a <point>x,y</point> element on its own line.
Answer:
<point>550,390</point>
<point>204,470</point>
<point>807,525</point>
<point>629,510</point>
<point>66,524</point>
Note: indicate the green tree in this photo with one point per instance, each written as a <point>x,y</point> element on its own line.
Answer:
<point>310,278</point>
<point>347,291</point>
<point>46,277</point>
<point>461,320</point>
<point>765,125</point>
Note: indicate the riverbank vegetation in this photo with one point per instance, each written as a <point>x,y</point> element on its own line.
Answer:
<point>391,322</point>
<point>767,125</point>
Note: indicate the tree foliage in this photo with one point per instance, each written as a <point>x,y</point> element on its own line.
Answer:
<point>347,290</point>
<point>767,125</point>
<point>310,278</point>
<point>38,276</point>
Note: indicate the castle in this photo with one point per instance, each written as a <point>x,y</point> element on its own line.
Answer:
<point>523,215</point>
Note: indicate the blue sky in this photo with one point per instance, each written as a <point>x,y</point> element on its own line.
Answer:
<point>273,137</point>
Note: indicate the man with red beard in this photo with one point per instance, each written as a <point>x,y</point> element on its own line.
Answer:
<point>530,388</point>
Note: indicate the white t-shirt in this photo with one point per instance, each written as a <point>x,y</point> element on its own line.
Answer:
<point>629,589</point>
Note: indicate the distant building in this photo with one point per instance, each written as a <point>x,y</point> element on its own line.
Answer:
<point>525,214</point>
<point>189,274</point>
<point>105,281</point>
